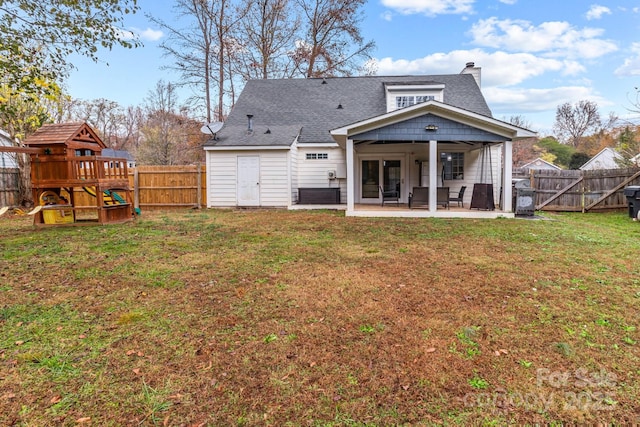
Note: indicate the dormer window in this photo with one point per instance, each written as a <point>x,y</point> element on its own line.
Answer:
<point>406,101</point>
<point>401,95</point>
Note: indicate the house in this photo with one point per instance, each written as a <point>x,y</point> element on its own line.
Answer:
<point>607,158</point>
<point>538,164</point>
<point>303,143</point>
<point>120,154</point>
<point>7,160</point>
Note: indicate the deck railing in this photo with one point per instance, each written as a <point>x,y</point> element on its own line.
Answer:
<point>98,167</point>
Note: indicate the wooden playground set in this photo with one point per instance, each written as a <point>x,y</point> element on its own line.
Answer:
<point>72,183</point>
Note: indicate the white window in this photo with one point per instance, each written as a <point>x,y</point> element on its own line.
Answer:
<point>317,156</point>
<point>424,98</point>
<point>452,165</point>
<point>405,101</point>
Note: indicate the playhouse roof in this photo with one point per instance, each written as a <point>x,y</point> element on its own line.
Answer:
<point>73,135</point>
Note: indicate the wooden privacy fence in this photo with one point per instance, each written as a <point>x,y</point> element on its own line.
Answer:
<point>582,191</point>
<point>9,191</point>
<point>163,187</point>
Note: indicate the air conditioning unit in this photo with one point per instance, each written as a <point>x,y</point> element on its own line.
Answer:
<point>331,174</point>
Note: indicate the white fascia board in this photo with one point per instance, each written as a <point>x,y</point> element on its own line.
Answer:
<point>414,88</point>
<point>461,115</point>
<point>317,145</point>
<point>248,148</point>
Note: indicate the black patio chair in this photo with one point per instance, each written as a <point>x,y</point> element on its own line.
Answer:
<point>443,196</point>
<point>390,196</point>
<point>460,197</point>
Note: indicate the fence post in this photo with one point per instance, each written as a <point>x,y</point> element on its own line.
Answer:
<point>136,190</point>
<point>199,166</point>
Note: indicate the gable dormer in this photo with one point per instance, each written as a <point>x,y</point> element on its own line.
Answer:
<point>401,95</point>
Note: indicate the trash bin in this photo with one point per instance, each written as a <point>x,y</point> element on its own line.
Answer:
<point>633,198</point>
<point>525,198</point>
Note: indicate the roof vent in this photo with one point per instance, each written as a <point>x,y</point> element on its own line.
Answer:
<point>268,131</point>
<point>324,82</point>
<point>340,107</point>
<point>471,64</point>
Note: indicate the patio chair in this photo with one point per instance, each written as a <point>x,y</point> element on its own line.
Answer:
<point>390,196</point>
<point>419,196</point>
<point>460,197</point>
<point>443,197</point>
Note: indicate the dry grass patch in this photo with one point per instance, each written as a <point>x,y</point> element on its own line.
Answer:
<point>310,318</point>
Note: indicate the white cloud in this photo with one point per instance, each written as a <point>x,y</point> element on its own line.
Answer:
<point>631,65</point>
<point>552,39</point>
<point>498,68</point>
<point>596,11</point>
<point>430,7</point>
<point>534,100</point>
<point>387,16</point>
<point>503,75</point>
<point>149,34</point>
<point>509,1</point>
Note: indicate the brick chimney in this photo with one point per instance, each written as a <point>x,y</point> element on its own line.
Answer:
<point>470,68</point>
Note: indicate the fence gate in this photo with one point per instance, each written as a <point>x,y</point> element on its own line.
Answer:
<point>582,191</point>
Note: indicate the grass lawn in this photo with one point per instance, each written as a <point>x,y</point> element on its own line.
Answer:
<point>216,318</point>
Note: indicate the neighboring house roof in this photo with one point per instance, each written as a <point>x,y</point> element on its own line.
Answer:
<point>118,154</point>
<point>540,164</point>
<point>309,108</point>
<point>605,159</point>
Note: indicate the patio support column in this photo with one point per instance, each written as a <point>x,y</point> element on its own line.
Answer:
<point>351,182</point>
<point>507,174</point>
<point>433,175</point>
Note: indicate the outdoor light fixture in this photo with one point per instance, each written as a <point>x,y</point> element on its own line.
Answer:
<point>431,127</point>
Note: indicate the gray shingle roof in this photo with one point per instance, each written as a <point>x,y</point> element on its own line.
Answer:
<point>309,107</point>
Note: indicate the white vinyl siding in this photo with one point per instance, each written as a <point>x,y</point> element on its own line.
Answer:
<point>274,179</point>
<point>222,177</point>
<point>472,173</point>
<point>293,173</point>
<point>314,173</point>
<point>7,160</point>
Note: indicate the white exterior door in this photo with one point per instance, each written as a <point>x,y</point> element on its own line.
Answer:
<point>249,181</point>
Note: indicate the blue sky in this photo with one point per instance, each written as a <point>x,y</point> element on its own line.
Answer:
<point>535,55</point>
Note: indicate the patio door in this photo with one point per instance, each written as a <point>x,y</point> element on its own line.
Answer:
<point>376,173</point>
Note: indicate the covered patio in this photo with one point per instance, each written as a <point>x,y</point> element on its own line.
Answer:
<point>425,147</point>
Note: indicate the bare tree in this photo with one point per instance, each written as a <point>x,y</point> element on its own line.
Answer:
<point>200,50</point>
<point>160,130</point>
<point>132,121</point>
<point>520,121</point>
<point>192,48</point>
<point>628,144</point>
<point>266,35</point>
<point>333,44</point>
<point>574,121</point>
<point>104,116</point>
